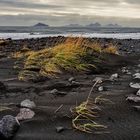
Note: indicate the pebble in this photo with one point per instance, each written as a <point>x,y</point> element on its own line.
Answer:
<point>71,79</point>
<point>136,76</point>
<point>136,85</point>
<point>99,79</point>
<point>59,129</point>
<point>54,91</point>
<point>27,104</point>
<point>8,126</point>
<point>75,83</point>
<point>124,70</point>
<point>138,93</point>
<point>133,98</point>
<point>101,88</point>
<point>114,76</point>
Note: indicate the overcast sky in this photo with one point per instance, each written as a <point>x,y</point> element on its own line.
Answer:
<point>61,12</point>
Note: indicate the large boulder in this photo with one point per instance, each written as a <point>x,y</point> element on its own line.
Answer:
<point>8,127</point>
<point>25,113</point>
<point>28,104</point>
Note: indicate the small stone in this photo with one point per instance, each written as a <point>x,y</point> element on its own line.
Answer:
<point>8,126</point>
<point>101,88</point>
<point>133,98</point>
<point>25,113</point>
<point>138,93</point>
<point>54,91</point>
<point>136,76</point>
<point>136,85</point>
<point>59,129</point>
<point>114,76</point>
<point>28,104</point>
<point>99,79</point>
<point>124,70</point>
<point>75,83</point>
<point>71,79</point>
<point>129,73</point>
<point>137,71</point>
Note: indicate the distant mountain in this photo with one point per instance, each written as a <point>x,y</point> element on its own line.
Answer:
<point>94,25</point>
<point>73,25</point>
<point>40,25</point>
<point>113,25</point>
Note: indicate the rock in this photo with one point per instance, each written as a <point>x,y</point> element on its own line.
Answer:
<point>136,85</point>
<point>28,104</point>
<point>75,83</point>
<point>138,93</point>
<point>114,76</point>
<point>124,70</point>
<point>101,88</point>
<point>137,71</point>
<point>99,79</point>
<point>136,76</point>
<point>25,113</point>
<point>59,129</point>
<point>139,65</point>
<point>56,92</point>
<point>133,98</point>
<point>8,126</point>
<point>129,73</point>
<point>3,87</point>
<point>71,79</point>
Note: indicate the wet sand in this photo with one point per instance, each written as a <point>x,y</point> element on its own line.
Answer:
<point>121,119</point>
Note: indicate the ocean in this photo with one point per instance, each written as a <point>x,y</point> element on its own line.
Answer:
<point>16,33</point>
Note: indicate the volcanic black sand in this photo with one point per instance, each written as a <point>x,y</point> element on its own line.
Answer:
<point>122,120</point>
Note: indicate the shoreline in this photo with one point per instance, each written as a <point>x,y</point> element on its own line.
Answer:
<point>125,46</point>
<point>35,35</point>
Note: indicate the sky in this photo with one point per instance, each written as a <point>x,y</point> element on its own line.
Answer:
<point>64,12</point>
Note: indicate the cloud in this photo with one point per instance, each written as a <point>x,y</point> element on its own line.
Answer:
<point>122,11</point>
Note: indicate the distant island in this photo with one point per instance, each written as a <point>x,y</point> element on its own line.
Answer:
<point>94,25</point>
<point>113,25</point>
<point>73,25</point>
<point>41,25</point>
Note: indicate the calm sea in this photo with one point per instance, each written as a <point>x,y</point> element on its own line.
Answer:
<point>38,32</point>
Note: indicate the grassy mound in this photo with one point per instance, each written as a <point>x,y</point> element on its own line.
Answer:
<point>75,55</point>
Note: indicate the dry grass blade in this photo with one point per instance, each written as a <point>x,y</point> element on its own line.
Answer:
<point>85,114</point>
<point>3,108</point>
<point>100,100</point>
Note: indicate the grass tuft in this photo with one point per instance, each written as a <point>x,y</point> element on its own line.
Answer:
<point>74,55</point>
<point>86,113</point>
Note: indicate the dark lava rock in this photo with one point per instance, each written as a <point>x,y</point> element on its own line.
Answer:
<point>3,87</point>
<point>8,126</point>
<point>71,79</point>
<point>59,129</point>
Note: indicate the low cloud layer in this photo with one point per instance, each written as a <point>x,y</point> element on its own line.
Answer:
<point>56,12</point>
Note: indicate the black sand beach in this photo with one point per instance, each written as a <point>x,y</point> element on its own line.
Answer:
<point>121,119</point>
